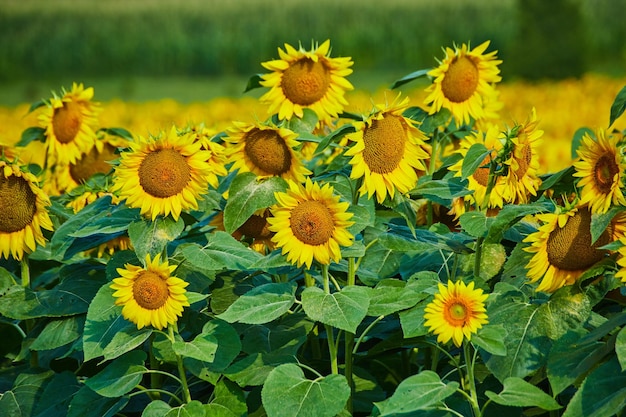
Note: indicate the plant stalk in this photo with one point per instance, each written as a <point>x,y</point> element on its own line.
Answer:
<point>181,368</point>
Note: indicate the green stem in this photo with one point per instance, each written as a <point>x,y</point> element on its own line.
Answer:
<point>181,368</point>
<point>155,377</point>
<point>349,341</point>
<point>332,346</point>
<point>469,363</point>
<point>478,251</point>
<point>158,392</point>
<point>30,323</point>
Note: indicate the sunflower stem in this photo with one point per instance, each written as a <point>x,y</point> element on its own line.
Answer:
<point>30,323</point>
<point>330,336</point>
<point>469,363</point>
<point>181,367</point>
<point>155,378</point>
<point>478,252</point>
<point>349,341</point>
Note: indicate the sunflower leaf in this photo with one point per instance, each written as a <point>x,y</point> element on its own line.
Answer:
<point>519,393</point>
<point>262,304</point>
<point>222,251</point>
<point>600,222</point>
<point>409,77</point>
<point>618,107</point>
<point>120,376</point>
<point>30,134</point>
<point>344,309</point>
<point>117,131</point>
<point>254,82</point>
<point>151,237</point>
<point>474,159</point>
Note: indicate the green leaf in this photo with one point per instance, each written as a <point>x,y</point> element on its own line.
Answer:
<point>508,216</point>
<point>491,339</point>
<point>344,309</point>
<point>417,392</point>
<point>474,158</point>
<point>120,376</point>
<point>21,400</point>
<point>117,131</point>
<point>392,295</point>
<point>30,134</point>
<point>441,191</point>
<point>409,77</point>
<point>37,104</point>
<point>568,308</point>
<point>262,304</point>
<point>193,409</point>
<point>578,139</point>
<point>247,194</point>
<point>618,106</point>
<point>88,403</point>
<point>334,136</point>
<point>229,400</point>
<point>58,333</point>
<point>228,347</point>
<point>305,124</point>
<point>600,222</point>
<point>475,223</point>
<point>222,251</point>
<point>287,393</point>
<point>203,348</point>
<point>156,408</point>
<point>254,82</point>
<point>412,320</point>
<point>151,237</point>
<point>620,347</point>
<point>55,399</point>
<point>519,393</point>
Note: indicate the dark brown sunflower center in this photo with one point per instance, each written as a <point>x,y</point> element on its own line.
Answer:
<point>305,81</point>
<point>66,122</point>
<point>605,171</point>
<point>268,151</point>
<point>456,314</point>
<point>481,175</point>
<point>150,290</point>
<point>17,204</point>
<point>384,144</point>
<point>312,223</point>
<point>524,158</point>
<point>255,227</point>
<point>569,248</point>
<point>92,163</point>
<point>164,173</point>
<point>461,80</point>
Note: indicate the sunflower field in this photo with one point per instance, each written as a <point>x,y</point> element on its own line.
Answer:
<point>448,246</point>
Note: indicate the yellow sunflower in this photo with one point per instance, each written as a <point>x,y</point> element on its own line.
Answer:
<point>256,229</point>
<point>307,79</point>
<point>387,151</point>
<point>217,160</point>
<point>601,172</point>
<point>310,222</point>
<point>621,262</point>
<point>457,311</point>
<point>22,212</point>
<point>562,248</point>
<point>150,296</point>
<point>463,83</point>
<point>164,174</point>
<point>266,151</point>
<point>70,123</point>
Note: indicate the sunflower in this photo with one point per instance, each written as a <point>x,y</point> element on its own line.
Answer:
<point>621,262</point>
<point>22,212</point>
<point>217,160</point>
<point>310,222</point>
<point>463,83</point>
<point>307,79</point>
<point>164,174</point>
<point>601,172</point>
<point>256,229</point>
<point>150,295</point>
<point>70,123</point>
<point>523,165</point>
<point>562,248</point>
<point>387,151</point>
<point>265,151</point>
<point>457,311</point>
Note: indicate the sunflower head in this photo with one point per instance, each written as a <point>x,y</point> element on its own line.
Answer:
<point>457,311</point>
<point>217,159</point>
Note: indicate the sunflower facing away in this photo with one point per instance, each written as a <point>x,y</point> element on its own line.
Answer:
<point>463,83</point>
<point>387,151</point>
<point>601,172</point>
<point>562,248</point>
<point>457,311</point>
<point>307,79</point>
<point>70,123</point>
<point>150,296</point>
<point>255,229</point>
<point>310,222</point>
<point>22,212</point>
<point>267,151</point>
<point>164,174</point>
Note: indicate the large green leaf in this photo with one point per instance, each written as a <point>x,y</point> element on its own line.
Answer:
<point>222,251</point>
<point>409,77</point>
<point>88,403</point>
<point>151,237</point>
<point>229,400</point>
<point>475,223</point>
<point>620,347</point>
<point>344,309</point>
<point>516,392</point>
<point>156,408</point>
<point>228,348</point>
<point>21,400</point>
<point>508,216</point>
<point>203,348</point>
<point>262,304</point>
<point>120,376</point>
<point>417,392</point>
<point>491,338</point>
<point>392,295</point>
<point>193,409</point>
<point>287,393</point>
<point>441,191</point>
<point>474,158</point>
<point>58,333</point>
<point>55,399</point>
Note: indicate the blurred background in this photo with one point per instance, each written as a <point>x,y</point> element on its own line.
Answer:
<point>199,49</point>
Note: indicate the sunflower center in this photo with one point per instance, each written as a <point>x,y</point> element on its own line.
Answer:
<point>66,122</point>
<point>92,163</point>
<point>305,81</point>
<point>312,223</point>
<point>255,227</point>
<point>17,204</point>
<point>569,247</point>
<point>268,151</point>
<point>164,173</point>
<point>384,144</point>
<point>150,290</point>
<point>605,170</point>
<point>524,158</point>
<point>461,80</point>
<point>456,314</point>
<point>481,175</point>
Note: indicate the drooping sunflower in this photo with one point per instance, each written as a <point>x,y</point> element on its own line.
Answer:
<point>387,151</point>
<point>457,311</point>
<point>70,123</point>
<point>463,82</point>
<point>163,175</point>
<point>307,79</point>
<point>562,248</point>
<point>255,229</point>
<point>265,151</point>
<point>310,222</point>
<point>23,212</point>
<point>601,171</point>
<point>150,296</point>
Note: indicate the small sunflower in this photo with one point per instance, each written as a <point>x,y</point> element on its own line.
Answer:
<point>457,311</point>
<point>150,296</point>
<point>307,79</point>
<point>310,222</point>
<point>256,229</point>
<point>163,175</point>
<point>387,151</point>
<point>217,160</point>
<point>22,212</point>
<point>621,262</point>
<point>70,123</point>
<point>562,248</point>
<point>265,151</point>
<point>601,172</point>
<point>463,83</point>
